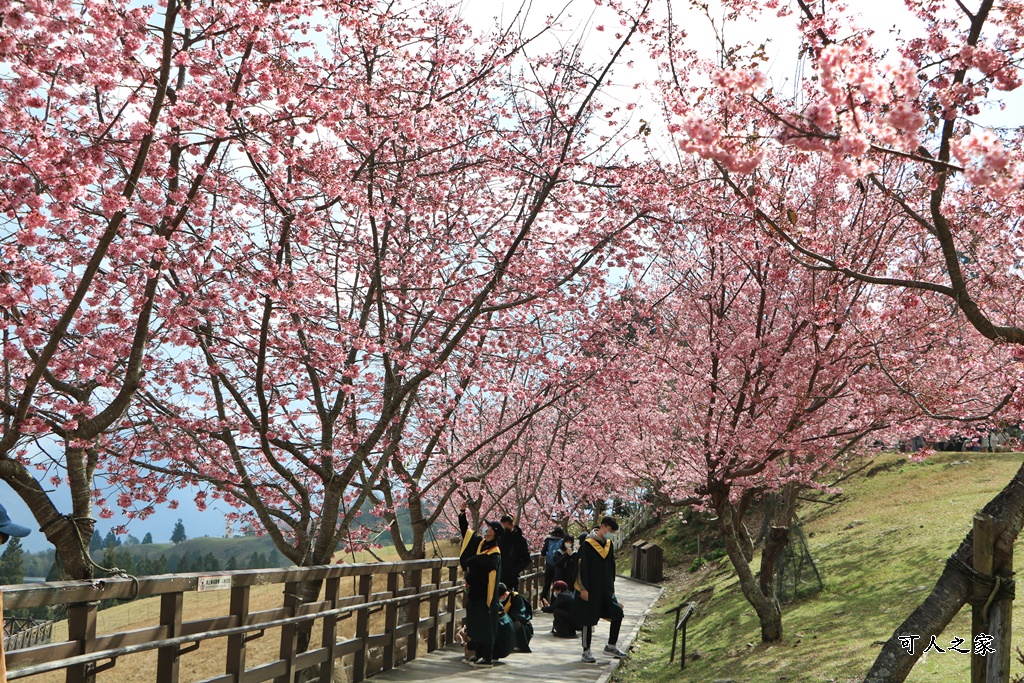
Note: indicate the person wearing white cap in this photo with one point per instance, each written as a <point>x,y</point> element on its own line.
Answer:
<point>9,528</point>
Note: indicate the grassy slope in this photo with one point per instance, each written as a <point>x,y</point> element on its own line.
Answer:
<point>879,551</point>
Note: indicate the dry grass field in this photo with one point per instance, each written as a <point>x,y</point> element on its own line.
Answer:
<point>209,660</point>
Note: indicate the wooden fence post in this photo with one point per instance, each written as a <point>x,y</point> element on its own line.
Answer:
<point>989,616</point>
<point>984,538</point>
<point>236,643</point>
<point>390,622</point>
<point>3,655</point>
<point>415,580</point>
<point>1000,619</point>
<point>329,639</point>
<point>453,606</point>
<point>167,657</point>
<point>82,627</point>
<point>362,629</point>
<point>435,611</point>
<point>290,632</point>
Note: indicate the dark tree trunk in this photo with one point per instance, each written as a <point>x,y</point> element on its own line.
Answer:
<point>774,544</point>
<point>952,590</point>
<point>777,535</point>
<point>308,591</point>
<point>69,534</point>
<point>767,608</point>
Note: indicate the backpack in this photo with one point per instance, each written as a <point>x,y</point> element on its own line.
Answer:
<point>551,550</point>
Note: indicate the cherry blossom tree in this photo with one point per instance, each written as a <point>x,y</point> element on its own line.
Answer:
<point>491,445</point>
<point>418,214</point>
<point>754,379</point>
<point>114,118</point>
<point>906,128</point>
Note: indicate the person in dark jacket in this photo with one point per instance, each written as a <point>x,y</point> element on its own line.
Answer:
<point>515,553</point>
<point>552,545</point>
<point>573,570</point>
<point>561,609</point>
<point>519,611</point>
<point>564,568</point>
<point>481,562</point>
<point>595,589</point>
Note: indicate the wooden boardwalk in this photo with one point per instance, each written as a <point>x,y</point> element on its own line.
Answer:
<point>552,659</point>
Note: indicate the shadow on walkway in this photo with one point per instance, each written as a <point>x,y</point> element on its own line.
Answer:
<point>553,659</point>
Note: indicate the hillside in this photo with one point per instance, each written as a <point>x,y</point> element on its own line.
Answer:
<point>879,550</point>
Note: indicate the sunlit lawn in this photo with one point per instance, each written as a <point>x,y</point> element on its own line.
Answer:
<point>879,553</point>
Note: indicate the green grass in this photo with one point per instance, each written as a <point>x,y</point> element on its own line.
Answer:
<point>879,552</point>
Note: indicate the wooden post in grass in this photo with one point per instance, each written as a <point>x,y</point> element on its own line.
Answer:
<point>1000,620</point>
<point>984,545</point>
<point>989,616</point>
<point>3,655</point>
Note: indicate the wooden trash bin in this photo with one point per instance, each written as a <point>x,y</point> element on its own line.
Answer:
<point>637,570</point>
<point>647,562</point>
<point>653,560</point>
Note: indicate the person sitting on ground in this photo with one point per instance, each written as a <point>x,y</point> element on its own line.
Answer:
<point>518,609</point>
<point>561,609</point>
<point>505,638</point>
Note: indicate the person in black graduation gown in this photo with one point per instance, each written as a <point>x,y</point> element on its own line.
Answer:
<point>595,589</point>
<point>481,562</point>
<point>515,553</point>
<point>519,611</point>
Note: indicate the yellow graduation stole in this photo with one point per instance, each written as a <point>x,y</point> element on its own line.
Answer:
<point>492,576</point>
<point>602,550</point>
<point>508,605</point>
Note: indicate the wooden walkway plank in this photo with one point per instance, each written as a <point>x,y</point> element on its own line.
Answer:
<point>553,659</point>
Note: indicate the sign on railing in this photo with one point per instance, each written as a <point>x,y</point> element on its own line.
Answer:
<point>214,583</point>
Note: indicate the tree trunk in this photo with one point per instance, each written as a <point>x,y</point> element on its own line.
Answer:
<point>417,548</point>
<point>308,591</point>
<point>767,608</point>
<point>953,588</point>
<point>777,536</point>
<point>72,547</point>
<point>69,534</point>
<point>775,542</point>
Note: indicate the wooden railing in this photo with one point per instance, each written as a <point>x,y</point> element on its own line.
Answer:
<point>630,525</point>
<point>426,589</point>
<point>22,633</point>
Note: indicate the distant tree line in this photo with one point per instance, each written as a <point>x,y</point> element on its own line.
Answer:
<point>111,552</point>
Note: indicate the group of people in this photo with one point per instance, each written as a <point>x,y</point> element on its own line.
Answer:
<point>579,589</point>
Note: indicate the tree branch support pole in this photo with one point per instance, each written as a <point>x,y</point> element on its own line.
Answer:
<point>989,616</point>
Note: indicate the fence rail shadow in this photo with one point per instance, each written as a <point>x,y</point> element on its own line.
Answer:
<point>420,606</point>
